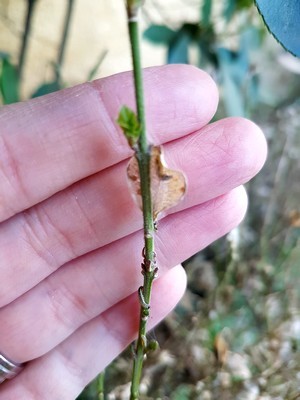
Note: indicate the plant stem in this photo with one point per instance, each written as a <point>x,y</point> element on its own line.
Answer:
<point>62,48</point>
<point>149,269</point>
<point>133,27</point>
<point>100,386</point>
<point>23,51</point>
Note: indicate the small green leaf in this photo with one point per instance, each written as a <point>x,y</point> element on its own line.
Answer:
<point>130,125</point>
<point>159,34</point>
<point>9,82</point>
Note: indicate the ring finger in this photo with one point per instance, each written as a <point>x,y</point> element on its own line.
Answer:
<point>66,370</point>
<point>45,316</point>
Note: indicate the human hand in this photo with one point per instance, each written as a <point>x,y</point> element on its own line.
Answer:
<point>70,235</point>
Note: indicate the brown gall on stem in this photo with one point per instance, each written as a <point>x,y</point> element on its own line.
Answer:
<point>168,186</point>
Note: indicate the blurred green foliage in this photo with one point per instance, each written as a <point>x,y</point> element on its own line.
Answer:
<point>9,81</point>
<point>230,65</point>
<point>11,74</point>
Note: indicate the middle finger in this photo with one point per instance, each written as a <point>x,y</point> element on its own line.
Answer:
<point>99,210</point>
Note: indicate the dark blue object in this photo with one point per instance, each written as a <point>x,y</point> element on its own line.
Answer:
<point>282,17</point>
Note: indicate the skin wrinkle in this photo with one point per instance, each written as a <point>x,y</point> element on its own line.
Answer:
<point>38,390</point>
<point>224,142</point>
<point>164,248</point>
<point>217,166</point>
<point>197,149</point>
<point>25,393</point>
<point>115,134</point>
<point>72,201</point>
<point>118,334</point>
<point>34,229</point>
<point>197,113</point>
<point>67,307</point>
<point>216,225</point>
<point>194,149</point>
<point>69,137</point>
<point>192,118</point>
<point>95,283</point>
<point>226,180</point>
<point>10,169</point>
<point>104,286</point>
<point>71,223</point>
<point>73,367</point>
<point>37,222</point>
<point>119,206</point>
<point>104,290</point>
<point>89,225</point>
<point>65,137</point>
<point>75,371</point>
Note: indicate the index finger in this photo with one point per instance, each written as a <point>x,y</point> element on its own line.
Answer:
<point>46,144</point>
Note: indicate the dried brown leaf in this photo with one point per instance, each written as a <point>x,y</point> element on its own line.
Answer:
<point>294,218</point>
<point>167,186</point>
<point>221,349</point>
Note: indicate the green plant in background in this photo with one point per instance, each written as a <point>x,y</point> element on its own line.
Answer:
<point>11,76</point>
<point>231,66</point>
<point>57,83</point>
<point>9,80</point>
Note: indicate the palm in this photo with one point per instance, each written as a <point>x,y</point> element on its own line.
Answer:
<point>70,235</point>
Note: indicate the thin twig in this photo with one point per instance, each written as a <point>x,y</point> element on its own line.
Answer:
<point>100,386</point>
<point>62,48</point>
<point>149,269</point>
<point>23,51</point>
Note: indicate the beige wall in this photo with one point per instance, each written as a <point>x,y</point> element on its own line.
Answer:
<point>97,25</point>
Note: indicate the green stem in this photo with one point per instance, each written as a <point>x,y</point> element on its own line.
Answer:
<point>143,157</point>
<point>133,27</point>
<point>100,386</point>
<point>23,51</point>
<point>63,42</point>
